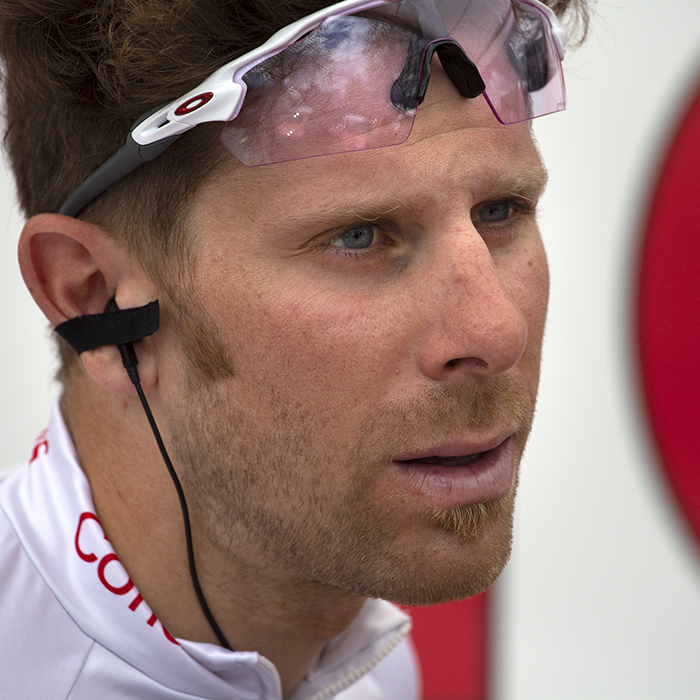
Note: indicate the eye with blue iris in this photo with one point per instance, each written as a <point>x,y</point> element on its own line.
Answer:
<point>357,237</point>
<point>493,212</point>
<point>500,221</point>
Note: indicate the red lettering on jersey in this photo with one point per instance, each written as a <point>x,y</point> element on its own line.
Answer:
<point>37,447</point>
<point>169,636</point>
<point>40,442</point>
<point>117,590</point>
<point>89,558</point>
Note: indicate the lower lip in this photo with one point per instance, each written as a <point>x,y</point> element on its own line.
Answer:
<point>488,479</point>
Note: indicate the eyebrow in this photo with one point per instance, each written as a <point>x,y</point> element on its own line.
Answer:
<point>340,213</point>
<point>529,186</point>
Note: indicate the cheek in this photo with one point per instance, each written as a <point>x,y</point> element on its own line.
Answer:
<point>529,287</point>
<point>540,283</point>
<point>334,352</point>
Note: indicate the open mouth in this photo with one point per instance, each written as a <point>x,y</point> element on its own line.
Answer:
<point>459,461</point>
<point>460,472</point>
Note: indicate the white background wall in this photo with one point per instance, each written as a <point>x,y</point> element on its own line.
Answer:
<point>602,598</point>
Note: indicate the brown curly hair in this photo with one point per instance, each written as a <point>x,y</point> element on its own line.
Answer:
<point>78,73</point>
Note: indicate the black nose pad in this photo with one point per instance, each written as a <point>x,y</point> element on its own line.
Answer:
<point>408,90</point>
<point>537,68</point>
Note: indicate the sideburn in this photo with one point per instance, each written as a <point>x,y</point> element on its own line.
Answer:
<point>199,339</point>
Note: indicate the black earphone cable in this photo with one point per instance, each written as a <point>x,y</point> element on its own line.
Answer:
<point>130,361</point>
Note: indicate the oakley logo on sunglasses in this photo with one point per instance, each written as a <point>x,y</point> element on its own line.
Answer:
<point>194,103</point>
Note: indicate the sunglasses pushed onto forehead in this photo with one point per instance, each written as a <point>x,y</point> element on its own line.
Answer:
<point>352,76</point>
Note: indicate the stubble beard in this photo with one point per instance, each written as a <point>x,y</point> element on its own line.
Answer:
<point>469,522</point>
<point>242,480</point>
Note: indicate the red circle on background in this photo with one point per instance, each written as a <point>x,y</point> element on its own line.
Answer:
<point>668,321</point>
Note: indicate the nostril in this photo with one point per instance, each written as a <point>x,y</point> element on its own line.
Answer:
<point>474,361</point>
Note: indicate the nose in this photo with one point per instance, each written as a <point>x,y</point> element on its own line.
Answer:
<point>474,326</point>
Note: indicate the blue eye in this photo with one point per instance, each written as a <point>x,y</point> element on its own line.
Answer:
<point>357,237</point>
<point>493,212</point>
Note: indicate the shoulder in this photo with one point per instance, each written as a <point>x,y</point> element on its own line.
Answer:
<point>42,650</point>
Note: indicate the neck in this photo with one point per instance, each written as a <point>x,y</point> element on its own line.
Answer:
<point>285,619</point>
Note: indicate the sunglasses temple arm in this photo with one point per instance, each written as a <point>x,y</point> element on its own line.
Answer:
<point>128,158</point>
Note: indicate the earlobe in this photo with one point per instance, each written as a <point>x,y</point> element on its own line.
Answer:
<point>105,366</point>
<point>72,268</point>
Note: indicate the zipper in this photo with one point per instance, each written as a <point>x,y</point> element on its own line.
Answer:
<point>360,671</point>
<point>267,664</point>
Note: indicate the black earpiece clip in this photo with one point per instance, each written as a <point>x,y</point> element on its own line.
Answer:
<point>114,326</point>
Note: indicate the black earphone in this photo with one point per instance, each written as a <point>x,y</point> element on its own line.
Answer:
<point>123,327</point>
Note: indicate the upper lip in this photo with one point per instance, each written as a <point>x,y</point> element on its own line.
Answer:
<point>457,447</point>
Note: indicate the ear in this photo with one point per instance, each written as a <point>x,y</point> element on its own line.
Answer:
<point>72,268</point>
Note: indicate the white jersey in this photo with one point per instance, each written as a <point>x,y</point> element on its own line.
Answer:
<point>73,626</point>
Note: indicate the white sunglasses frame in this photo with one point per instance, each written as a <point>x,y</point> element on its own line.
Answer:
<point>220,97</point>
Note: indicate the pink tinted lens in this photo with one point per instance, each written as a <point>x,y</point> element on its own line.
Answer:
<point>327,93</point>
<point>511,44</point>
<point>331,92</point>
<point>520,68</point>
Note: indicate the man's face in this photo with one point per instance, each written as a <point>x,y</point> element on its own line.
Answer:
<point>382,315</point>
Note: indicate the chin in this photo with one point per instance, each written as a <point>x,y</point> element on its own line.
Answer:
<point>449,567</point>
